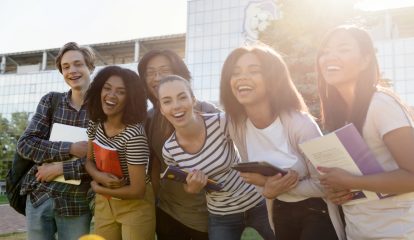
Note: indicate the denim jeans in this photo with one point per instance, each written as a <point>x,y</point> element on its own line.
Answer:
<point>43,223</point>
<point>231,227</point>
<point>303,220</point>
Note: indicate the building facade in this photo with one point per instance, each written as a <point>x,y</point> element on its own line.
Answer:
<point>394,41</point>
<point>214,28</point>
<point>27,76</point>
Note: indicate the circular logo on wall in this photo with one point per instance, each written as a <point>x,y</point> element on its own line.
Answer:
<point>257,17</point>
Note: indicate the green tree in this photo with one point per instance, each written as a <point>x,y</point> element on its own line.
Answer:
<point>5,140</point>
<point>297,33</point>
<point>19,122</point>
<point>10,131</point>
<point>6,143</point>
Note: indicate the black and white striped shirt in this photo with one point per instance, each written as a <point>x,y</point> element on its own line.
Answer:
<point>131,144</point>
<point>215,159</point>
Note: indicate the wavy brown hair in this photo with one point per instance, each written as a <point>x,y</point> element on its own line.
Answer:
<point>279,85</point>
<point>87,52</point>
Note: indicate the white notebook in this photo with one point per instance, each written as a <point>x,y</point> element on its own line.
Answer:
<point>67,133</point>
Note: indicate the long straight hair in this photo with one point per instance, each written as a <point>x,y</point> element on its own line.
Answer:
<point>334,110</point>
<point>279,85</point>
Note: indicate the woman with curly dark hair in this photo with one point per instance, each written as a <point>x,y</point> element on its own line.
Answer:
<point>124,206</point>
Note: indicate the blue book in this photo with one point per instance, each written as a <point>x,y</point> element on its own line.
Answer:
<point>179,175</point>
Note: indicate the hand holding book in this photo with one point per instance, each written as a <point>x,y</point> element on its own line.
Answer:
<point>107,161</point>
<point>196,180</point>
<point>339,197</point>
<point>340,151</point>
<point>67,133</point>
<point>109,180</point>
<point>179,175</point>
<point>278,184</point>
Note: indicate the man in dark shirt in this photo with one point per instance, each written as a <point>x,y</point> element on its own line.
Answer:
<point>55,207</point>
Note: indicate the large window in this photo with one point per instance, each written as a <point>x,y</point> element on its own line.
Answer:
<point>396,60</point>
<point>214,28</point>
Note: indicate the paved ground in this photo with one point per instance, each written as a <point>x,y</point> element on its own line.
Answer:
<point>10,220</point>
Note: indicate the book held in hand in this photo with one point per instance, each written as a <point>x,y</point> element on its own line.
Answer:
<point>345,149</point>
<point>179,175</point>
<point>106,159</point>
<point>67,133</point>
<point>263,168</point>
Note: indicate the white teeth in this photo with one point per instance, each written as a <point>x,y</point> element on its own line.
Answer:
<point>109,102</point>
<point>241,88</point>
<point>333,68</point>
<point>179,114</point>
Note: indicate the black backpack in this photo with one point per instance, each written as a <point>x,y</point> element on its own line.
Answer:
<point>20,167</point>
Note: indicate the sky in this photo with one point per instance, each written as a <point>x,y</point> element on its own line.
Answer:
<point>28,25</point>
<point>42,24</point>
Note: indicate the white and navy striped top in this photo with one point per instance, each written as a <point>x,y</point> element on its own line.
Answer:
<point>131,145</point>
<point>215,159</point>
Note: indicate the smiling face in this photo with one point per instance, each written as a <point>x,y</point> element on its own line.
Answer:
<point>176,103</point>
<point>247,83</point>
<point>113,97</point>
<point>75,71</point>
<point>341,60</point>
<point>158,67</point>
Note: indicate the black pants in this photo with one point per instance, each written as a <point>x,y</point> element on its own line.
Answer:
<point>303,220</point>
<point>170,229</point>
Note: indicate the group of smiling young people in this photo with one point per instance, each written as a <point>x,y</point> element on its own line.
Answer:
<point>264,119</point>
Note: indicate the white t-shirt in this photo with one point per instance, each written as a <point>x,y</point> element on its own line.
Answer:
<point>269,144</point>
<point>389,218</point>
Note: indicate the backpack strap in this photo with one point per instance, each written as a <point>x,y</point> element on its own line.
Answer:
<point>55,101</point>
<point>56,96</point>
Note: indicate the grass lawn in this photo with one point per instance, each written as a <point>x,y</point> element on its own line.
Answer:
<point>3,199</point>
<point>251,234</point>
<point>13,236</point>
